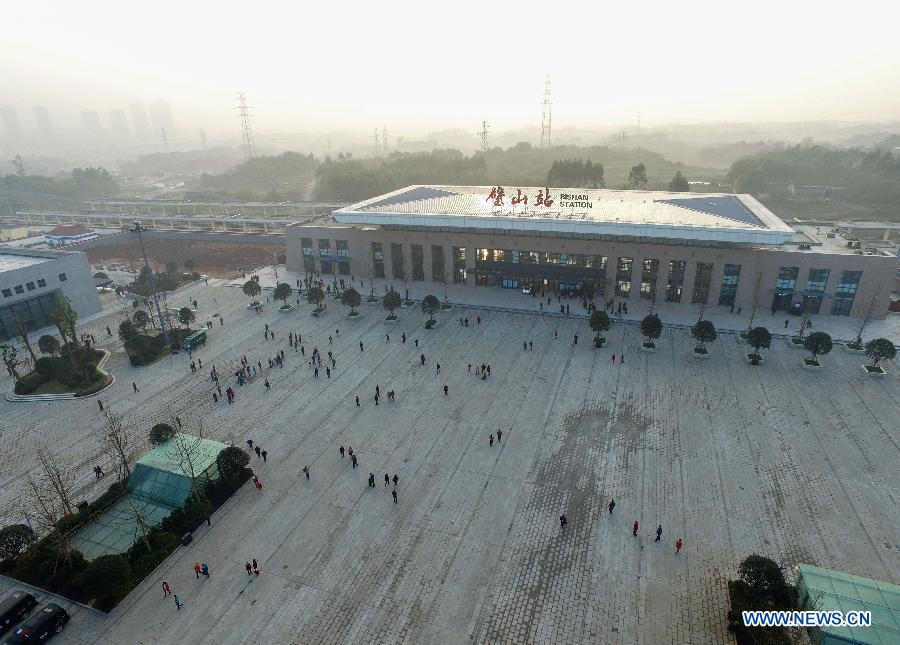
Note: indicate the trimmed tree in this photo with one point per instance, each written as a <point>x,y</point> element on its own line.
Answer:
<point>877,350</point>
<point>106,577</point>
<point>703,332</point>
<point>391,302</point>
<point>599,322</point>
<point>232,462</point>
<point>430,305</point>
<point>15,539</point>
<point>141,319</point>
<point>817,344</point>
<point>315,296</point>
<point>161,433</point>
<point>351,298</point>
<point>758,337</point>
<point>127,331</point>
<point>282,292</point>
<point>186,316</point>
<point>651,329</point>
<point>48,345</point>
<point>252,289</point>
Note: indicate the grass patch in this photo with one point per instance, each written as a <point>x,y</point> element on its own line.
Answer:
<point>855,346</point>
<point>812,362</point>
<point>701,350</point>
<point>430,324</point>
<point>55,375</point>
<point>648,344</point>
<point>874,369</point>
<point>796,340</point>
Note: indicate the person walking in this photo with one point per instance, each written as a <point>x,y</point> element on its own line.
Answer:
<point>255,568</point>
<point>100,403</point>
<point>204,569</point>
<point>268,387</point>
<point>371,480</point>
<point>350,451</point>
<point>387,337</point>
<point>264,455</point>
<point>611,506</point>
<point>357,401</point>
<point>658,533</point>
<point>249,569</point>
<point>360,346</point>
<point>678,544</point>
<point>422,358</point>
<point>563,521</point>
<point>306,472</point>
<point>491,440</point>
<point>197,570</point>
<point>634,528</point>
<point>613,359</point>
<point>353,459</point>
<point>403,336</point>
<point>499,435</point>
<point>445,390</point>
<point>621,358</point>
<point>341,450</point>
<point>575,339</point>
<point>178,604</point>
<point>134,385</point>
<point>394,495</point>
<point>438,366</point>
<point>417,343</point>
<point>166,589</point>
<point>387,480</point>
<point>396,479</point>
<point>258,451</point>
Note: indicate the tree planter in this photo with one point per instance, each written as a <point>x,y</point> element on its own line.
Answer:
<point>877,373</point>
<point>354,315</point>
<point>408,304</point>
<point>430,324</point>
<point>749,358</point>
<point>797,345</point>
<point>372,301</point>
<point>648,347</point>
<point>598,343</point>
<point>253,305</point>
<point>806,365</point>
<point>446,306</point>
<point>391,321</point>
<point>854,350</point>
<point>284,310</point>
<point>697,354</point>
<point>318,310</point>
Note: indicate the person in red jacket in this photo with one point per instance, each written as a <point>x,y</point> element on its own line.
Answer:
<point>634,528</point>
<point>678,544</point>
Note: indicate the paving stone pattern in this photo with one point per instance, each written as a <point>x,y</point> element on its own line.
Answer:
<point>735,459</point>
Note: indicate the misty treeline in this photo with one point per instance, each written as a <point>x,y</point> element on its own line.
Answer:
<point>80,182</point>
<point>283,177</point>
<point>869,176</point>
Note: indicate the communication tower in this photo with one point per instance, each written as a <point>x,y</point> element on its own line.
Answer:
<point>384,139</point>
<point>484,136</point>
<point>545,121</point>
<point>246,128</point>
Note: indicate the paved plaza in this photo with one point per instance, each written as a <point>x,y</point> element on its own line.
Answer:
<point>794,464</point>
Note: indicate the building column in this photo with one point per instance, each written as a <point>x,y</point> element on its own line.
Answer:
<point>690,274</point>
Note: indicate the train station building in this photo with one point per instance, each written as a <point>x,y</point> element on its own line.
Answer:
<point>699,249</point>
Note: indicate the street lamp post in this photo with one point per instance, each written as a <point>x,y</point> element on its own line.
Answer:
<point>162,323</point>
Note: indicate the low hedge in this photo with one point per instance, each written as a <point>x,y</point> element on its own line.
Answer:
<point>84,379</point>
<point>144,350</point>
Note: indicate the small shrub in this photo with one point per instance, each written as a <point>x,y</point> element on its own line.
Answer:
<point>106,577</point>
<point>160,433</point>
<point>14,539</point>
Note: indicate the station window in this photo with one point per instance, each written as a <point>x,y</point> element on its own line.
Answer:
<point>787,278</point>
<point>437,263</point>
<point>378,259</point>
<point>418,262</point>
<point>675,281</point>
<point>343,249</point>
<point>307,245</point>
<point>324,248</point>
<point>730,277</point>
<point>459,264</point>
<point>397,265</point>
<point>702,280</point>
<point>649,275</point>
<point>818,278</point>
<point>845,292</point>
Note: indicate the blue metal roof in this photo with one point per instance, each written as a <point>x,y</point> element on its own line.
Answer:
<point>412,195</point>
<point>720,205</point>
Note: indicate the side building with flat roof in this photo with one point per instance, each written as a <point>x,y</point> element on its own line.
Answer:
<point>31,278</point>
<point>694,248</point>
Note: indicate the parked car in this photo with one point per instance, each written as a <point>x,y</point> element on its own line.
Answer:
<point>14,608</point>
<point>41,626</point>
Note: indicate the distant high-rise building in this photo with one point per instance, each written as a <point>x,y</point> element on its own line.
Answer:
<point>161,117</point>
<point>11,123</point>
<point>119,123</point>
<point>44,125</point>
<point>92,127</point>
<point>140,122</point>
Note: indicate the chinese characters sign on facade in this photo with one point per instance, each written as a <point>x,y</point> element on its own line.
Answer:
<point>498,194</point>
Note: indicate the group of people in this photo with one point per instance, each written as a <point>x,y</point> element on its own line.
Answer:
<point>563,521</point>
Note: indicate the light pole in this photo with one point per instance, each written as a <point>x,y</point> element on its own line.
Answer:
<point>162,323</point>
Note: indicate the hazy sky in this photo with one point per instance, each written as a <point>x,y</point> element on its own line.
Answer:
<point>416,66</point>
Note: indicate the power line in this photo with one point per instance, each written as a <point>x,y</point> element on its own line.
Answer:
<point>384,139</point>
<point>547,116</point>
<point>246,128</point>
